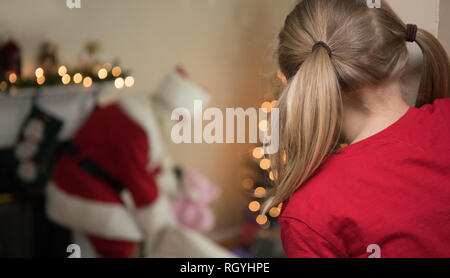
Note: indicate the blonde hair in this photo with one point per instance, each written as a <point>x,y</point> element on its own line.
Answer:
<point>368,46</point>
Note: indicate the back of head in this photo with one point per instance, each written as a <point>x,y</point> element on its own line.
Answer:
<point>331,48</point>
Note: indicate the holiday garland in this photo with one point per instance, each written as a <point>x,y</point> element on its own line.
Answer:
<point>51,73</point>
<point>10,82</point>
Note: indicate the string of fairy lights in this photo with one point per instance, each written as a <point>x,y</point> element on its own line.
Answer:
<point>257,190</point>
<point>105,73</point>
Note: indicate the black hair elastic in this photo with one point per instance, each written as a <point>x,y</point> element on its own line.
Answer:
<point>322,44</point>
<point>411,32</point>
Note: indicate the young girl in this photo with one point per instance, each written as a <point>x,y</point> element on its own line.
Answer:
<point>388,193</point>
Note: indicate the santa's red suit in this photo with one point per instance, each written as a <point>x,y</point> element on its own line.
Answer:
<point>118,140</point>
<point>112,183</point>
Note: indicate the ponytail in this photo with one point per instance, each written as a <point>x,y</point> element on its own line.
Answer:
<point>435,81</point>
<point>310,122</point>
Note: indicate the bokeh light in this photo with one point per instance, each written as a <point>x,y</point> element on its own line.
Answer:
<point>39,72</point>
<point>87,82</point>
<point>116,71</point>
<point>265,164</point>
<point>66,79</point>
<point>260,192</point>
<point>40,80</point>
<point>62,71</point>
<point>119,83</point>
<point>12,78</point>
<point>102,73</point>
<point>129,81</point>
<point>274,212</point>
<point>254,206</point>
<point>77,78</point>
<point>261,219</point>
<point>258,153</point>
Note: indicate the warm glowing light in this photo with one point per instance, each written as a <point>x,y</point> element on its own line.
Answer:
<point>129,81</point>
<point>271,176</point>
<point>280,206</point>
<point>102,73</point>
<point>274,104</point>
<point>39,72</point>
<point>116,71</point>
<point>260,192</point>
<point>77,78</point>
<point>267,106</point>
<point>40,80</point>
<point>66,79</point>
<point>282,78</point>
<point>87,82</point>
<point>12,78</point>
<point>274,212</point>
<point>284,158</point>
<point>3,86</point>
<point>265,164</point>
<point>248,183</point>
<point>62,71</point>
<point>261,219</point>
<point>264,125</point>
<point>254,206</point>
<point>119,83</point>
<point>258,153</point>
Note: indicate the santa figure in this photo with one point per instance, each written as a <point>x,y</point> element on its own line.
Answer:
<point>114,183</point>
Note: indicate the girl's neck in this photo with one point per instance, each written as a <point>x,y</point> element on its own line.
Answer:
<point>372,109</point>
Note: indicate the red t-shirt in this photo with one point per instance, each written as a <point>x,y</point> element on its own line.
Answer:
<point>392,189</point>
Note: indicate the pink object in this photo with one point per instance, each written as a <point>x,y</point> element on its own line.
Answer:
<point>191,208</point>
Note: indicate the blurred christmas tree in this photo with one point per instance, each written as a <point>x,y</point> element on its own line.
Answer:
<point>260,233</point>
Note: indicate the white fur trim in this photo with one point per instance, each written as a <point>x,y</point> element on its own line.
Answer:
<point>166,179</point>
<point>180,242</point>
<point>139,109</point>
<point>153,220</point>
<point>109,221</point>
<point>177,91</point>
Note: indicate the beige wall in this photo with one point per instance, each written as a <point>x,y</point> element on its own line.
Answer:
<point>444,23</point>
<point>226,45</point>
<point>424,13</point>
